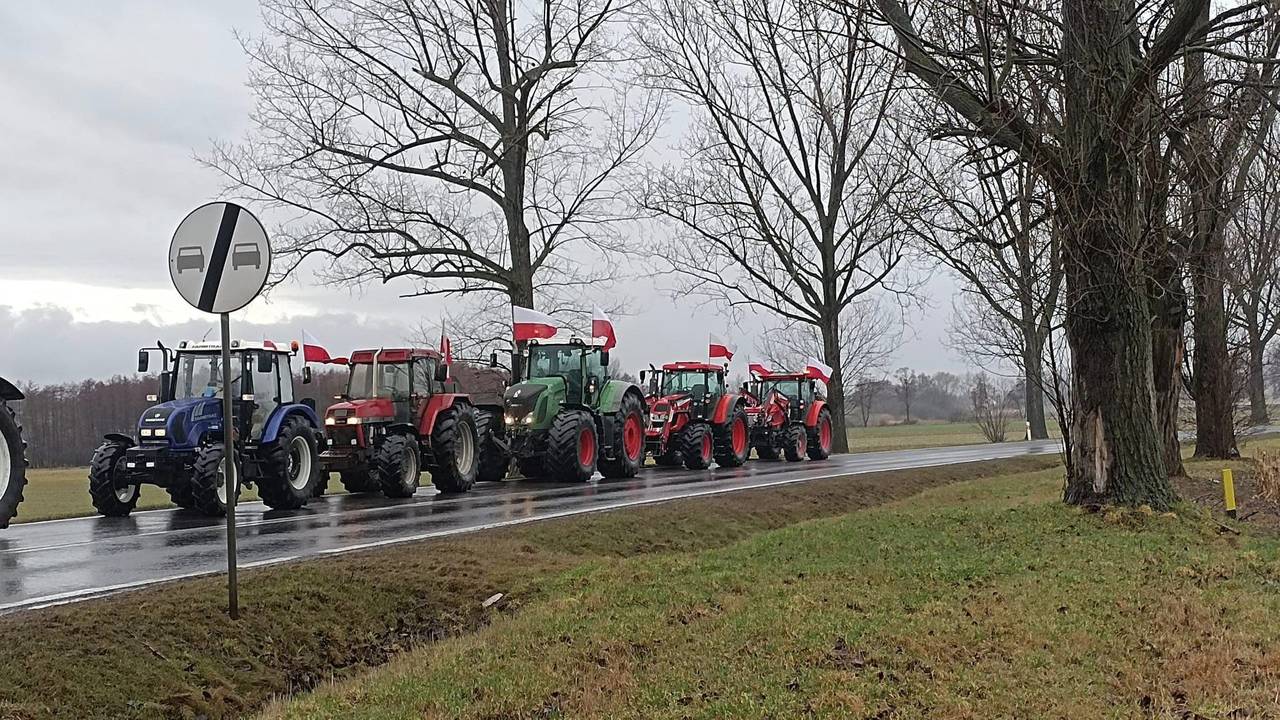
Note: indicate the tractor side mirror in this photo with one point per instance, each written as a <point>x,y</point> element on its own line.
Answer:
<point>265,362</point>
<point>604,358</point>
<point>493,359</point>
<point>643,375</point>
<point>306,375</point>
<point>442,373</point>
<point>144,360</point>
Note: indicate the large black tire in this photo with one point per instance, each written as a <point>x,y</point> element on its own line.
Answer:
<point>628,441</point>
<point>13,467</point>
<point>290,466</point>
<point>733,440</point>
<point>531,468</point>
<point>697,447</point>
<point>357,481</point>
<point>766,452</point>
<point>208,482</point>
<point>493,460</point>
<point>818,448</point>
<point>397,465</point>
<point>671,459</point>
<point>456,449</point>
<point>796,442</point>
<point>181,495</point>
<point>573,450</point>
<point>108,488</point>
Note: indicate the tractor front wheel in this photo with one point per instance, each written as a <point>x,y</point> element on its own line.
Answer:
<point>531,468</point>
<point>733,443</point>
<point>573,450</point>
<point>181,495</point>
<point>291,467</point>
<point>397,465</point>
<point>670,459</point>
<point>456,449</point>
<point>628,441</point>
<point>357,481</point>
<point>766,452</point>
<point>697,447</point>
<point>109,485</point>
<point>796,442</point>
<point>820,437</point>
<point>493,461</point>
<point>13,464</point>
<point>209,481</point>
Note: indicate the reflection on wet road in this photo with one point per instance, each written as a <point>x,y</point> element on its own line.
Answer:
<point>66,560</point>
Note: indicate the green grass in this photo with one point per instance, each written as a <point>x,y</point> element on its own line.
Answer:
<point>978,599</point>
<point>929,434</point>
<point>64,492</point>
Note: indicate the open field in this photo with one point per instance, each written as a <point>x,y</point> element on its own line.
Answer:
<point>929,434</point>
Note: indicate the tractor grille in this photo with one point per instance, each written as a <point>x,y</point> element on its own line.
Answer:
<point>341,436</point>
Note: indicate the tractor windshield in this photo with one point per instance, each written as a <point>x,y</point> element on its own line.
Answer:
<point>200,375</point>
<point>699,384</point>
<point>572,363</point>
<point>793,390</point>
<point>392,381</point>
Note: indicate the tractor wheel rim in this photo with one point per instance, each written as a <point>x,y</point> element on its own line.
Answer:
<point>221,482</point>
<point>586,447</point>
<point>124,493</point>
<point>706,446</point>
<point>464,453</point>
<point>739,436</point>
<point>632,437</point>
<point>299,463</point>
<point>6,465</point>
<point>409,468</point>
<point>824,435</point>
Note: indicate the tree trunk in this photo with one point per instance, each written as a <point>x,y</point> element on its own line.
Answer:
<point>1258,414</point>
<point>835,388</point>
<point>1215,419</point>
<point>1033,379</point>
<point>1167,347</point>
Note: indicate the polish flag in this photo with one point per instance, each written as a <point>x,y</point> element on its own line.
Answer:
<point>759,369</point>
<point>818,370</point>
<point>446,348</point>
<point>312,350</point>
<point>602,327</point>
<point>719,349</point>
<point>529,324</point>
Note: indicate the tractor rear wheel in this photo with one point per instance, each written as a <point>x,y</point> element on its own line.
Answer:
<point>766,452</point>
<point>671,459</point>
<point>733,441</point>
<point>181,495</point>
<point>397,465</point>
<point>357,481</point>
<point>697,447</point>
<point>820,437</point>
<point>109,485</point>
<point>531,468</point>
<point>573,450</point>
<point>628,441</point>
<point>796,441</point>
<point>493,460</point>
<point>209,481</point>
<point>455,446</point>
<point>13,464</point>
<point>290,467</point>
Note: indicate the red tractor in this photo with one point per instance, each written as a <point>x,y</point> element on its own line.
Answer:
<point>789,418</point>
<point>400,415</point>
<point>694,419</point>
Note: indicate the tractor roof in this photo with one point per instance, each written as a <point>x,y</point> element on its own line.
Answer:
<point>707,367</point>
<point>392,355</point>
<point>564,338</point>
<point>784,376</point>
<point>205,346</point>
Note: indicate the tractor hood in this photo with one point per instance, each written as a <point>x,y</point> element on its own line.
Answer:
<point>356,412</point>
<point>533,403</point>
<point>170,422</point>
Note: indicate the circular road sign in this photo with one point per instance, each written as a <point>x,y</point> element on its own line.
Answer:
<point>219,258</point>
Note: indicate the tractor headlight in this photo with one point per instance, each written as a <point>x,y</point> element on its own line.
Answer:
<point>528,419</point>
<point>145,432</point>
<point>354,421</point>
<point>161,432</point>
<point>330,421</point>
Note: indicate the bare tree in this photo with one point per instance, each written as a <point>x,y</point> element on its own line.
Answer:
<point>467,146</point>
<point>991,407</point>
<point>905,388</point>
<point>865,392</point>
<point>785,198</point>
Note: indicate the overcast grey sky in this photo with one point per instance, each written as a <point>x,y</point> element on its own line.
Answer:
<point>105,106</point>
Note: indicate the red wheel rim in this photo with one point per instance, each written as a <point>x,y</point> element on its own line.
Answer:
<point>739,436</point>
<point>586,447</point>
<point>824,435</point>
<point>632,437</point>
<point>706,446</point>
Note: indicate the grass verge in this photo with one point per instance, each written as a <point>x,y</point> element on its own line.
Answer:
<point>170,651</point>
<point>974,600</point>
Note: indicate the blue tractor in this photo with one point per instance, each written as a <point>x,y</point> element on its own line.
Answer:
<point>180,442</point>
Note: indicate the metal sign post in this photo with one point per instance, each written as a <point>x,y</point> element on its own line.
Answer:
<point>219,261</point>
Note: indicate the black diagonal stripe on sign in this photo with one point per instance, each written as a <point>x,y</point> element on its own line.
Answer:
<point>218,258</point>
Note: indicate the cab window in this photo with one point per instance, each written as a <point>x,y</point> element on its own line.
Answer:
<point>286,380</point>
<point>424,380</point>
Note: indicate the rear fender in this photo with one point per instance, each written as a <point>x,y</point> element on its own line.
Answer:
<point>729,403</point>
<point>117,437</point>
<point>281,414</point>
<point>8,391</point>
<point>811,418</point>
<point>613,392</point>
<point>435,405</point>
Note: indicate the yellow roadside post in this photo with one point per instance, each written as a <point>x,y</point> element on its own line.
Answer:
<point>1229,492</point>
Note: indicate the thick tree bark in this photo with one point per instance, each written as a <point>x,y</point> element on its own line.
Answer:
<point>1258,414</point>
<point>1215,421</point>
<point>1167,348</point>
<point>835,388</point>
<point>1033,376</point>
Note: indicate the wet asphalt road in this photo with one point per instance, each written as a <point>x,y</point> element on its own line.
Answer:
<point>60,561</point>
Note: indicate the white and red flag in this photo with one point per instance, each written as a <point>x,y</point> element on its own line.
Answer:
<point>818,370</point>
<point>602,327</point>
<point>719,349</point>
<point>759,369</point>
<point>529,324</point>
<point>312,350</point>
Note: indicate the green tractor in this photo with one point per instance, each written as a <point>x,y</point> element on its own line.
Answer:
<point>565,418</point>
